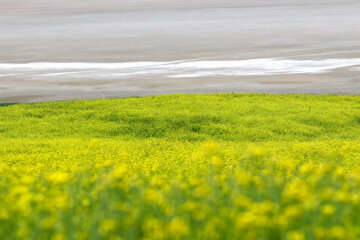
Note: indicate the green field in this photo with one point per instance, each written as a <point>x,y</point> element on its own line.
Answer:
<point>217,166</point>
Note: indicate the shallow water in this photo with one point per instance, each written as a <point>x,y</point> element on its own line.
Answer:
<point>162,46</point>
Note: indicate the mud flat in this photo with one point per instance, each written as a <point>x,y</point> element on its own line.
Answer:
<point>52,50</point>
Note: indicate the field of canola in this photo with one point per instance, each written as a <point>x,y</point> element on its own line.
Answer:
<point>217,166</point>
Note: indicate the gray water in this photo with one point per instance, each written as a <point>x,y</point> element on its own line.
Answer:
<point>93,49</point>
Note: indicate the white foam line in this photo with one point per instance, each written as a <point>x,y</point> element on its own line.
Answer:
<point>43,66</point>
<point>181,69</point>
<point>58,74</point>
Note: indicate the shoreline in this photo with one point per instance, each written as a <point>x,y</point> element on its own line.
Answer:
<point>23,99</point>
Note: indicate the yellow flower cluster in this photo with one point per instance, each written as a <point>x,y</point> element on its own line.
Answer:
<point>214,192</point>
<point>217,166</point>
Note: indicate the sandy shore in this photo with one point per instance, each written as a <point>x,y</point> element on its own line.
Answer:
<point>113,31</point>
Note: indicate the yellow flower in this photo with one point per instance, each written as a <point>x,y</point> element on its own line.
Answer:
<point>338,232</point>
<point>211,148</point>
<point>325,168</point>
<point>58,236</point>
<point>153,228</point>
<point>296,235</point>
<point>156,181</point>
<point>107,225</point>
<point>307,169</point>
<point>328,209</point>
<point>297,190</point>
<point>151,195</point>
<point>243,201</point>
<point>4,214</point>
<point>340,172</point>
<point>256,152</point>
<point>85,202</point>
<point>216,162</point>
<point>27,179</point>
<point>59,178</point>
<point>178,228</point>
<point>119,172</point>
<point>61,201</point>
<point>287,164</point>
<point>49,222</point>
<point>343,196</point>
<point>244,178</point>
<point>203,191</point>
<point>290,214</point>
<point>246,220</point>
<point>93,143</point>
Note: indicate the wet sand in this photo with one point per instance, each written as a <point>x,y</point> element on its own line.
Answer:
<point>112,31</point>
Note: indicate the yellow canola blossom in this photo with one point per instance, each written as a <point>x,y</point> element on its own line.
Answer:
<point>217,167</point>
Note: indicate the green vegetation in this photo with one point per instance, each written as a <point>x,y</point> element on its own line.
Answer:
<point>217,166</point>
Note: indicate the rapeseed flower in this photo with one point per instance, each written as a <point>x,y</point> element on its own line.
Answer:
<point>143,173</point>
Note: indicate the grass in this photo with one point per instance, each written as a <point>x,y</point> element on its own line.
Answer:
<point>217,166</point>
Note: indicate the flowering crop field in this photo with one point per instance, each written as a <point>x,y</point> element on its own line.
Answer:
<point>217,166</point>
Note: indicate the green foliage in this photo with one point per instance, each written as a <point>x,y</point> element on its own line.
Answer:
<point>228,117</point>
